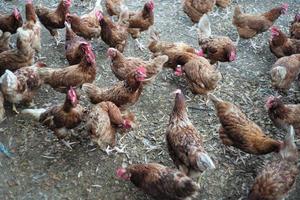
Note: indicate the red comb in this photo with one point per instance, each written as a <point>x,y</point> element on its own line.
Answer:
<point>285,6</point>
<point>99,15</point>
<point>40,64</point>
<point>274,29</point>
<point>142,70</point>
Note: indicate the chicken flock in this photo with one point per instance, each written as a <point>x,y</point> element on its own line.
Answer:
<point>23,74</point>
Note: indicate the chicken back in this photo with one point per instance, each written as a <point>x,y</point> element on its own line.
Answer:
<point>159,181</point>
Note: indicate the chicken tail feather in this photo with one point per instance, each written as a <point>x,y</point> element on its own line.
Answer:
<point>9,79</point>
<point>214,99</point>
<point>204,161</point>
<point>204,28</point>
<point>289,149</point>
<point>237,11</point>
<point>91,91</point>
<point>36,113</point>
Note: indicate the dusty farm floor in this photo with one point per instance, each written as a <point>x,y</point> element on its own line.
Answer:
<point>43,168</point>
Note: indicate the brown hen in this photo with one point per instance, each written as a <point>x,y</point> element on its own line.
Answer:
<point>249,25</point>
<point>60,118</point>
<point>4,41</point>
<point>114,34</point>
<point>195,9</point>
<point>238,131</point>
<point>123,93</point>
<point>87,26</point>
<point>185,143</point>
<point>284,115</point>
<point>285,71</point>
<point>123,66</point>
<point>54,19</point>
<point>103,120</point>
<point>75,46</point>
<point>63,78</point>
<point>281,45</point>
<point>295,28</point>
<point>10,23</point>
<point>20,57</point>
<point>160,182</point>
<point>278,177</point>
<point>22,85</point>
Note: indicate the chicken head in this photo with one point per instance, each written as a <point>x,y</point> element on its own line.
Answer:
<point>141,73</point>
<point>178,70</point>
<point>126,124</point>
<point>123,174</point>
<point>274,32</point>
<point>99,15</point>
<point>17,14</point>
<point>284,8</point>
<point>150,5</point>
<point>111,53</point>
<point>272,101</point>
<point>72,96</point>
<point>232,55</point>
<point>67,3</point>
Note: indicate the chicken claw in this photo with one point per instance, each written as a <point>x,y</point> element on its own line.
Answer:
<point>68,144</point>
<point>140,45</point>
<point>15,109</point>
<point>57,40</point>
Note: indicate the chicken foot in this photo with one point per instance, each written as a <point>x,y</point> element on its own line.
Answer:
<point>139,45</point>
<point>15,109</point>
<point>68,143</point>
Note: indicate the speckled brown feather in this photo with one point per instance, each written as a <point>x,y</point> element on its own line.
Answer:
<point>102,122</point>
<point>281,45</point>
<point>175,51</point>
<point>292,66</point>
<point>217,48</point>
<point>17,58</point>
<point>201,75</point>
<point>295,30</point>
<point>278,177</point>
<point>183,139</point>
<point>28,84</point>
<point>113,34</point>
<point>249,25</point>
<point>62,116</point>
<point>123,66</point>
<point>87,26</point>
<point>74,53</point>
<point>53,19</point>
<point>8,23</point>
<point>284,115</point>
<point>4,41</point>
<point>113,7</point>
<point>223,3</point>
<point>140,21</point>
<point>162,182</point>
<point>123,93</point>
<point>195,9</point>
<point>239,131</point>
<point>61,79</point>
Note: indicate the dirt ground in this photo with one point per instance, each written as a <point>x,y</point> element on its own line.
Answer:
<point>43,168</point>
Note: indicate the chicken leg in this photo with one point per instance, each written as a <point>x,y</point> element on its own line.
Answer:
<point>15,109</point>
<point>68,144</point>
<point>139,45</point>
